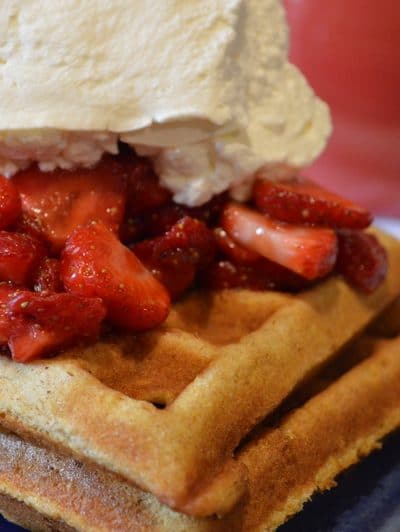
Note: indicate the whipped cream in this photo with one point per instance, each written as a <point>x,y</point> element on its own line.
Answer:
<point>203,87</point>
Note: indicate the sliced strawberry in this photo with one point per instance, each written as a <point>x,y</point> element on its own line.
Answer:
<point>362,260</point>
<point>19,257</point>
<point>47,276</point>
<point>95,264</point>
<point>233,251</point>
<point>144,190</point>
<point>29,342</point>
<point>209,212</point>
<point>42,324</point>
<point>175,257</point>
<point>131,230</point>
<point>176,278</point>
<point>7,291</point>
<point>10,203</point>
<point>301,201</point>
<point>189,241</point>
<point>310,252</point>
<point>261,275</point>
<point>161,220</point>
<point>28,226</point>
<point>55,203</point>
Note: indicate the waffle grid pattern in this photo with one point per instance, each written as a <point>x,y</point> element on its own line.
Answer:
<point>221,364</point>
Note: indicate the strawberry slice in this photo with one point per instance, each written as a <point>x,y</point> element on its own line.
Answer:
<point>95,264</point>
<point>310,252</point>
<point>176,278</point>
<point>7,291</point>
<point>260,275</point>
<point>47,276</point>
<point>175,257</point>
<point>161,220</point>
<point>362,260</point>
<point>19,257</point>
<point>144,190</point>
<point>41,324</point>
<point>236,253</point>
<point>10,203</point>
<point>55,203</point>
<point>209,212</point>
<point>301,201</point>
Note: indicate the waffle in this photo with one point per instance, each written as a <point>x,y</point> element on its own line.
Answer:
<point>286,462</point>
<point>153,422</point>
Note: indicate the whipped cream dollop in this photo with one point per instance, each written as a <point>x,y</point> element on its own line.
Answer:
<point>202,87</point>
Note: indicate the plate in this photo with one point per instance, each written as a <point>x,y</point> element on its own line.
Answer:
<point>367,497</point>
<point>390,225</point>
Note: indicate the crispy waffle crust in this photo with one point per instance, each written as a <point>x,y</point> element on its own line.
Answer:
<point>221,364</point>
<point>44,490</point>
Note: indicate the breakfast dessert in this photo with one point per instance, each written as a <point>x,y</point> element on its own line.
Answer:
<point>175,297</point>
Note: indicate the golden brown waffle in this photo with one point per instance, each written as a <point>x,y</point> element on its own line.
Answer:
<point>286,463</point>
<point>221,364</point>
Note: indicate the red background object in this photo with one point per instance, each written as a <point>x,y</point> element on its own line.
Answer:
<point>350,52</point>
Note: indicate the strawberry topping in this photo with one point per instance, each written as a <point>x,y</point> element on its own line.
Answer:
<point>41,323</point>
<point>96,264</point>
<point>161,220</point>
<point>62,235</point>
<point>10,203</point>
<point>362,260</point>
<point>55,203</point>
<point>7,291</point>
<point>301,201</point>
<point>261,275</point>
<point>19,257</point>
<point>144,190</point>
<point>47,276</point>
<point>238,254</point>
<point>33,325</point>
<point>310,252</point>
<point>176,257</point>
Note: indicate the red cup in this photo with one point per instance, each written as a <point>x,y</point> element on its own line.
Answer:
<point>350,52</point>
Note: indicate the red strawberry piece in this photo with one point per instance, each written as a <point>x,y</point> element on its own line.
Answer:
<point>7,291</point>
<point>176,278</point>
<point>226,274</point>
<point>301,201</point>
<point>95,264</point>
<point>175,257</point>
<point>55,203</point>
<point>362,260</point>
<point>44,323</point>
<point>189,241</point>
<point>310,252</point>
<point>233,251</point>
<point>10,203</point>
<point>144,190</point>
<point>261,275</point>
<point>209,212</point>
<point>19,257</point>
<point>131,230</point>
<point>29,226</point>
<point>47,276</point>
<point>160,221</point>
